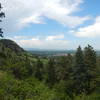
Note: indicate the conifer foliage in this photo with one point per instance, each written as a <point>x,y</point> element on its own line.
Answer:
<point>51,75</point>
<point>90,63</point>
<point>79,72</point>
<point>85,70</point>
<point>1,16</point>
<point>39,70</point>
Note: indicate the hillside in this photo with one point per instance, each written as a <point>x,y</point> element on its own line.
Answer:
<point>24,76</point>
<point>11,45</point>
<point>11,52</point>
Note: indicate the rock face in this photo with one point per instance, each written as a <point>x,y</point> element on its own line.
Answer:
<point>11,45</point>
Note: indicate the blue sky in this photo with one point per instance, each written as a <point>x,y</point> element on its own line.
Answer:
<point>52,24</point>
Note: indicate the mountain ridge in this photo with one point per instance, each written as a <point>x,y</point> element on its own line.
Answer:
<point>11,45</point>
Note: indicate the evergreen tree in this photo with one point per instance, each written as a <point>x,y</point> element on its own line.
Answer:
<point>64,67</point>
<point>69,66</point>
<point>90,63</point>
<point>1,16</point>
<point>39,70</point>
<point>79,72</point>
<point>61,68</point>
<point>51,75</point>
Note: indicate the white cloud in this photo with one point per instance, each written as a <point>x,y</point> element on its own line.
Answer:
<point>50,38</point>
<point>50,42</point>
<point>20,13</point>
<point>91,30</point>
<point>32,19</point>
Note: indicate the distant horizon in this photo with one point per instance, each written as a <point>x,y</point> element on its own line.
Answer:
<point>44,49</point>
<point>39,49</point>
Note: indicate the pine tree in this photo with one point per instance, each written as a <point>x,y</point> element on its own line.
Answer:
<point>1,16</point>
<point>90,63</point>
<point>79,72</point>
<point>39,70</point>
<point>69,66</point>
<point>64,67</point>
<point>61,68</point>
<point>51,75</point>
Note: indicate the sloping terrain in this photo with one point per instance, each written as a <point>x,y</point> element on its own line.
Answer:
<point>11,45</point>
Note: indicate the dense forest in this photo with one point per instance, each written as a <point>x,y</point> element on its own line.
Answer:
<point>24,76</point>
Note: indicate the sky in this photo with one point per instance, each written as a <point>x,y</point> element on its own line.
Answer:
<point>52,24</point>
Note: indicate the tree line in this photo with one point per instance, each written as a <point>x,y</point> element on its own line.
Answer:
<point>78,71</point>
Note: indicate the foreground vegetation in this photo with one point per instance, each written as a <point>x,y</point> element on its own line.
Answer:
<point>25,77</point>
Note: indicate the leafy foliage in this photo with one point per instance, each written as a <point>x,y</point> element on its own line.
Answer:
<point>27,77</point>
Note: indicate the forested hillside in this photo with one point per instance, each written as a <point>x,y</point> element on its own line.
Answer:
<point>27,77</point>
